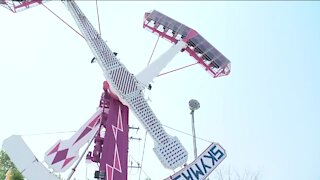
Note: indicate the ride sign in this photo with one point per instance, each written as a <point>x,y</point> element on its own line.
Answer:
<point>201,167</point>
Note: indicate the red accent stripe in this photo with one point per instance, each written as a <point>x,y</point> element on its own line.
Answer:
<point>55,149</point>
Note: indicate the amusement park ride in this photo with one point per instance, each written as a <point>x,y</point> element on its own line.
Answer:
<point>108,127</point>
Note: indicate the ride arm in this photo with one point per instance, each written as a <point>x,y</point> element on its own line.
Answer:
<point>125,85</point>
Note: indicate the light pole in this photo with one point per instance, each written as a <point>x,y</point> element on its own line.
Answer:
<point>194,105</point>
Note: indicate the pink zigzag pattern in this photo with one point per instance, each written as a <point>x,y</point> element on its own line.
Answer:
<point>116,159</point>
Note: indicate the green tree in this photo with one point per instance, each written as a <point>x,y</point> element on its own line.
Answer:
<point>5,165</point>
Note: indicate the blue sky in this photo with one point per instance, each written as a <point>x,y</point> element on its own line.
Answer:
<point>265,113</point>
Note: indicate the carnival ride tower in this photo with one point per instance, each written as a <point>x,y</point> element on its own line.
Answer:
<point>122,91</point>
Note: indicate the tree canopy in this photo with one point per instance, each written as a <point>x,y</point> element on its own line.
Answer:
<point>7,166</point>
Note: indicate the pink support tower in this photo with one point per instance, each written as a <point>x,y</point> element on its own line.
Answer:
<point>111,150</point>
<point>108,127</point>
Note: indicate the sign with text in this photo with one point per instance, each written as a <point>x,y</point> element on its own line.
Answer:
<point>201,167</point>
